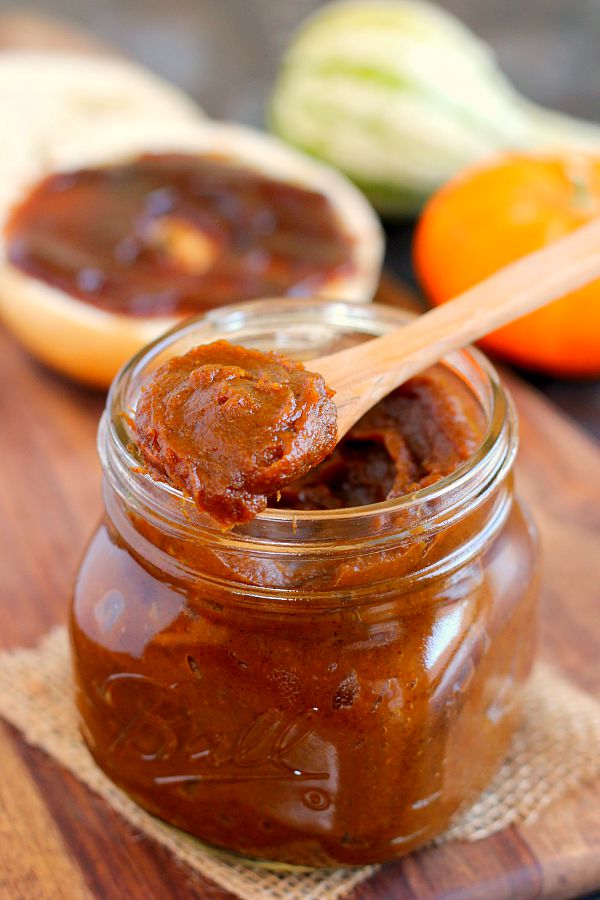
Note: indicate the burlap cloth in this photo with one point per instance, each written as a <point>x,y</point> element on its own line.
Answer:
<point>556,750</point>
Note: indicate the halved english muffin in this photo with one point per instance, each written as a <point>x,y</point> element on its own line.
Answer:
<point>135,227</point>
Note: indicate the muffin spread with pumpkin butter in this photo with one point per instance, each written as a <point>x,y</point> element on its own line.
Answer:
<point>129,232</point>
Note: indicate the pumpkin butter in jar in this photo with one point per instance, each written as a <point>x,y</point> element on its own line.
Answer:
<point>329,682</point>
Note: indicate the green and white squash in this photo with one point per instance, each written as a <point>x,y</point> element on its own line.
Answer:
<point>400,95</point>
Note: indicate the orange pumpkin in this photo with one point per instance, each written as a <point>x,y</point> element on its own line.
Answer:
<point>493,214</point>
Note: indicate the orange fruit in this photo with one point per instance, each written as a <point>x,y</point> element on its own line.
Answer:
<point>498,212</point>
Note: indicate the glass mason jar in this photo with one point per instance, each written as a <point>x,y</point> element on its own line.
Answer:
<point>319,687</point>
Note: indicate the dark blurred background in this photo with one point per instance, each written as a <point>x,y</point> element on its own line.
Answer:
<point>225,53</point>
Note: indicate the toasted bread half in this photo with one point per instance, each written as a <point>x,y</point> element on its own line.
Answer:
<point>90,344</point>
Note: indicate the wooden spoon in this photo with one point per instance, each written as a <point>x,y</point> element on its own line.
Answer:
<point>363,375</point>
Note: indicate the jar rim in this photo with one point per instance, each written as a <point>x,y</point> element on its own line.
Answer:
<point>499,440</point>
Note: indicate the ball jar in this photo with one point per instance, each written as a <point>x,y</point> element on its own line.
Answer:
<point>315,687</point>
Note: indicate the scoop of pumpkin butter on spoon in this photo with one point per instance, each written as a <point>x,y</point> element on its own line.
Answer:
<point>232,426</point>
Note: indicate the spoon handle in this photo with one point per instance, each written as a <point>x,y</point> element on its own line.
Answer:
<point>363,375</point>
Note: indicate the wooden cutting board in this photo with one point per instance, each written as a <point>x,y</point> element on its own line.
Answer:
<point>58,841</point>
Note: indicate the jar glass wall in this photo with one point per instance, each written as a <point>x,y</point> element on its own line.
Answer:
<point>313,687</point>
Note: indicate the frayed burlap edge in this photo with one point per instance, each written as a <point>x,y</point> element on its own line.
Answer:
<point>556,750</point>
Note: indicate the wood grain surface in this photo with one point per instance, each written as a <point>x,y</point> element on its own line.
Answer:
<point>58,840</point>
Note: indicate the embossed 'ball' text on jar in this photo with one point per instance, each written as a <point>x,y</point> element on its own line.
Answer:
<point>319,687</point>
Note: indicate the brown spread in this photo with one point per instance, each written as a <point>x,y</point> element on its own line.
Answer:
<point>412,438</point>
<point>230,426</point>
<point>317,707</point>
<point>237,428</point>
<point>176,234</point>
